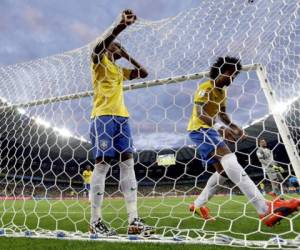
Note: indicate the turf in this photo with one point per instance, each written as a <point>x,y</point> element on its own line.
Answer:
<point>42,244</point>
<point>234,218</point>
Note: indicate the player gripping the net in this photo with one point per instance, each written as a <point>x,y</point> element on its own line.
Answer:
<point>109,129</point>
<point>210,103</point>
<point>271,170</point>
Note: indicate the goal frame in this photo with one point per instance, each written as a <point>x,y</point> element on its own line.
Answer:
<point>216,238</point>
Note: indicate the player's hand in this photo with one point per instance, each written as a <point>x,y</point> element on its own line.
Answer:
<point>239,133</point>
<point>227,134</point>
<point>128,17</point>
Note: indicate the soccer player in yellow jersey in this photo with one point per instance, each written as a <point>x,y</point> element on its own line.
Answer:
<point>109,128</point>
<point>210,104</point>
<point>87,178</point>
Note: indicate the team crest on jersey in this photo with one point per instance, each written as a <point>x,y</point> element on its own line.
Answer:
<point>103,144</point>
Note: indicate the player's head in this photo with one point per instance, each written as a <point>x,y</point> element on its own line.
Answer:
<point>88,168</point>
<point>224,71</point>
<point>115,50</point>
<point>262,142</point>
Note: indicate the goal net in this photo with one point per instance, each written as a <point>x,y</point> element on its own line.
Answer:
<point>44,131</point>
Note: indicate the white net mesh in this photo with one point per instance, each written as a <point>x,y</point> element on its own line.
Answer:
<point>45,113</point>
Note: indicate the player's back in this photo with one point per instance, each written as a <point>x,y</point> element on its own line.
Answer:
<point>213,98</point>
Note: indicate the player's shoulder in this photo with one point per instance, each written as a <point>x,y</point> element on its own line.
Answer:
<point>104,60</point>
<point>207,85</point>
<point>204,88</point>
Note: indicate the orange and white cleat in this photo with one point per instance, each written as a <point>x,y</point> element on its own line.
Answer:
<point>203,212</point>
<point>273,195</point>
<point>279,209</point>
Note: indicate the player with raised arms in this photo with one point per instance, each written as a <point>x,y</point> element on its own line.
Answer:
<point>210,104</point>
<point>109,128</point>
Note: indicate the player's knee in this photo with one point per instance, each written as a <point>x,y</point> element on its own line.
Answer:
<point>126,156</point>
<point>222,151</point>
<point>104,160</point>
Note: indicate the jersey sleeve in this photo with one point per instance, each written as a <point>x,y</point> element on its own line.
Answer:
<point>126,73</point>
<point>202,95</point>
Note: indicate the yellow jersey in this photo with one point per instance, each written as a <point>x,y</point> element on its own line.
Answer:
<point>214,98</point>
<point>107,78</point>
<point>87,176</point>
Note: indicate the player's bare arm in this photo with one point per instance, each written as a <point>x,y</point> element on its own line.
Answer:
<point>224,117</point>
<point>139,71</point>
<point>203,115</point>
<point>226,133</point>
<point>128,18</point>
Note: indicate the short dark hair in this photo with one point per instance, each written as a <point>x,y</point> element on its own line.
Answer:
<point>223,64</point>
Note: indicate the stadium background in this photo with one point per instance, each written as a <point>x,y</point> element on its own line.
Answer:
<point>38,162</point>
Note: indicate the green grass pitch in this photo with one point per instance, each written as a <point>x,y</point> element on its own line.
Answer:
<point>235,218</point>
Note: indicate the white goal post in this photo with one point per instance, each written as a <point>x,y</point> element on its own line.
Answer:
<point>45,108</point>
<point>287,139</point>
<point>201,236</point>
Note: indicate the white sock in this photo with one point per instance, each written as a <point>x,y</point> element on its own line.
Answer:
<point>210,189</point>
<point>129,188</point>
<point>239,177</point>
<point>89,195</point>
<point>97,190</point>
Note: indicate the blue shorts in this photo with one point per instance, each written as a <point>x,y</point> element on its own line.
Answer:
<point>110,136</point>
<point>87,186</point>
<point>207,140</point>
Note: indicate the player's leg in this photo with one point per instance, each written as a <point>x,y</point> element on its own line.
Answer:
<point>128,183</point>
<point>211,188</point>
<point>88,188</point>
<point>84,190</point>
<point>239,177</point>
<point>274,184</point>
<point>124,145</point>
<point>281,184</point>
<point>204,148</point>
<point>269,212</point>
<point>101,133</point>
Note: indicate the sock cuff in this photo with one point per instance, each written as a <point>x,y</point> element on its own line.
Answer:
<point>101,167</point>
<point>228,157</point>
<point>100,164</point>
<point>127,164</point>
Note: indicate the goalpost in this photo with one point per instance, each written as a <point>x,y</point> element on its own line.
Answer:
<point>191,235</point>
<point>283,129</point>
<point>45,111</point>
